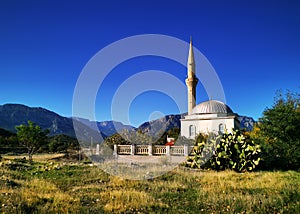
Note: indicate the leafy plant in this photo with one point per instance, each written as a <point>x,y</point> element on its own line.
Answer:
<point>234,151</point>
<point>31,136</point>
<point>279,131</point>
<point>205,146</point>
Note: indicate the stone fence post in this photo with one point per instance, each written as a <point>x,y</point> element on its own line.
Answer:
<point>132,149</point>
<point>150,149</point>
<point>97,149</point>
<point>186,149</point>
<point>115,153</point>
<point>168,150</point>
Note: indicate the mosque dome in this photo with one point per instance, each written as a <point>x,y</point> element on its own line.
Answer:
<point>211,107</point>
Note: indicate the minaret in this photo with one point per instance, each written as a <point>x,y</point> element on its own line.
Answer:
<point>191,81</point>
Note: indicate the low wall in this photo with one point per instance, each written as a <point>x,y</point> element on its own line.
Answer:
<point>151,150</point>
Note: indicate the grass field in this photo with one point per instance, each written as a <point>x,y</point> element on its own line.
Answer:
<point>50,186</point>
<point>37,157</point>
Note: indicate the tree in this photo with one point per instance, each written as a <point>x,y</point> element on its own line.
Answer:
<point>61,143</point>
<point>280,131</point>
<point>32,137</point>
<point>115,139</point>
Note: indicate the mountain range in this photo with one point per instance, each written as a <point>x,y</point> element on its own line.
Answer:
<point>12,115</point>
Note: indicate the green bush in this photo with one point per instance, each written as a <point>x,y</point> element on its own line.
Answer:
<point>234,151</point>
<point>203,150</point>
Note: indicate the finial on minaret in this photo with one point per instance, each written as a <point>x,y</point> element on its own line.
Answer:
<point>191,81</point>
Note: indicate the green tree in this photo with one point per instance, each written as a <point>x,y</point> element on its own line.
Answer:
<point>115,139</point>
<point>32,137</point>
<point>280,132</point>
<point>62,143</point>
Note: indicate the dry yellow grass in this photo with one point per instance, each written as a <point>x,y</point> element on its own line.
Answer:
<point>122,200</point>
<point>86,189</point>
<point>36,157</point>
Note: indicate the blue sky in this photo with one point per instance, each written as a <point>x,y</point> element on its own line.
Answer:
<point>44,45</point>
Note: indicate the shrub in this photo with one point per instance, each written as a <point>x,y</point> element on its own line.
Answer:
<point>234,151</point>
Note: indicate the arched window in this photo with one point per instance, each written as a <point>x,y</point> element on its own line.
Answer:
<point>192,131</point>
<point>221,128</point>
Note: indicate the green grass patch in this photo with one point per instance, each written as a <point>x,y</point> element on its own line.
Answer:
<point>58,187</point>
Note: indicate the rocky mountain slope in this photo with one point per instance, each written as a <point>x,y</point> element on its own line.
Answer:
<point>12,115</point>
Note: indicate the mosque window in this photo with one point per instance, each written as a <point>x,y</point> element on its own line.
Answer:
<point>192,130</point>
<point>221,128</point>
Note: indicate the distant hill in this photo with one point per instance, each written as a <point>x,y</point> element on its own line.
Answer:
<point>162,124</point>
<point>111,127</point>
<point>5,133</point>
<point>107,128</point>
<point>12,115</point>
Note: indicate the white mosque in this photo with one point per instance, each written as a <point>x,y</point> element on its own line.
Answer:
<point>206,117</point>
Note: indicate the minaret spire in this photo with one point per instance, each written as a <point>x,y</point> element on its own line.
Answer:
<point>192,80</point>
<point>191,60</point>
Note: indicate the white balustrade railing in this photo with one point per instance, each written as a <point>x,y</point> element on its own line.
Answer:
<point>177,150</point>
<point>152,150</point>
<point>183,150</point>
<point>159,150</point>
<point>124,149</point>
<point>141,150</point>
